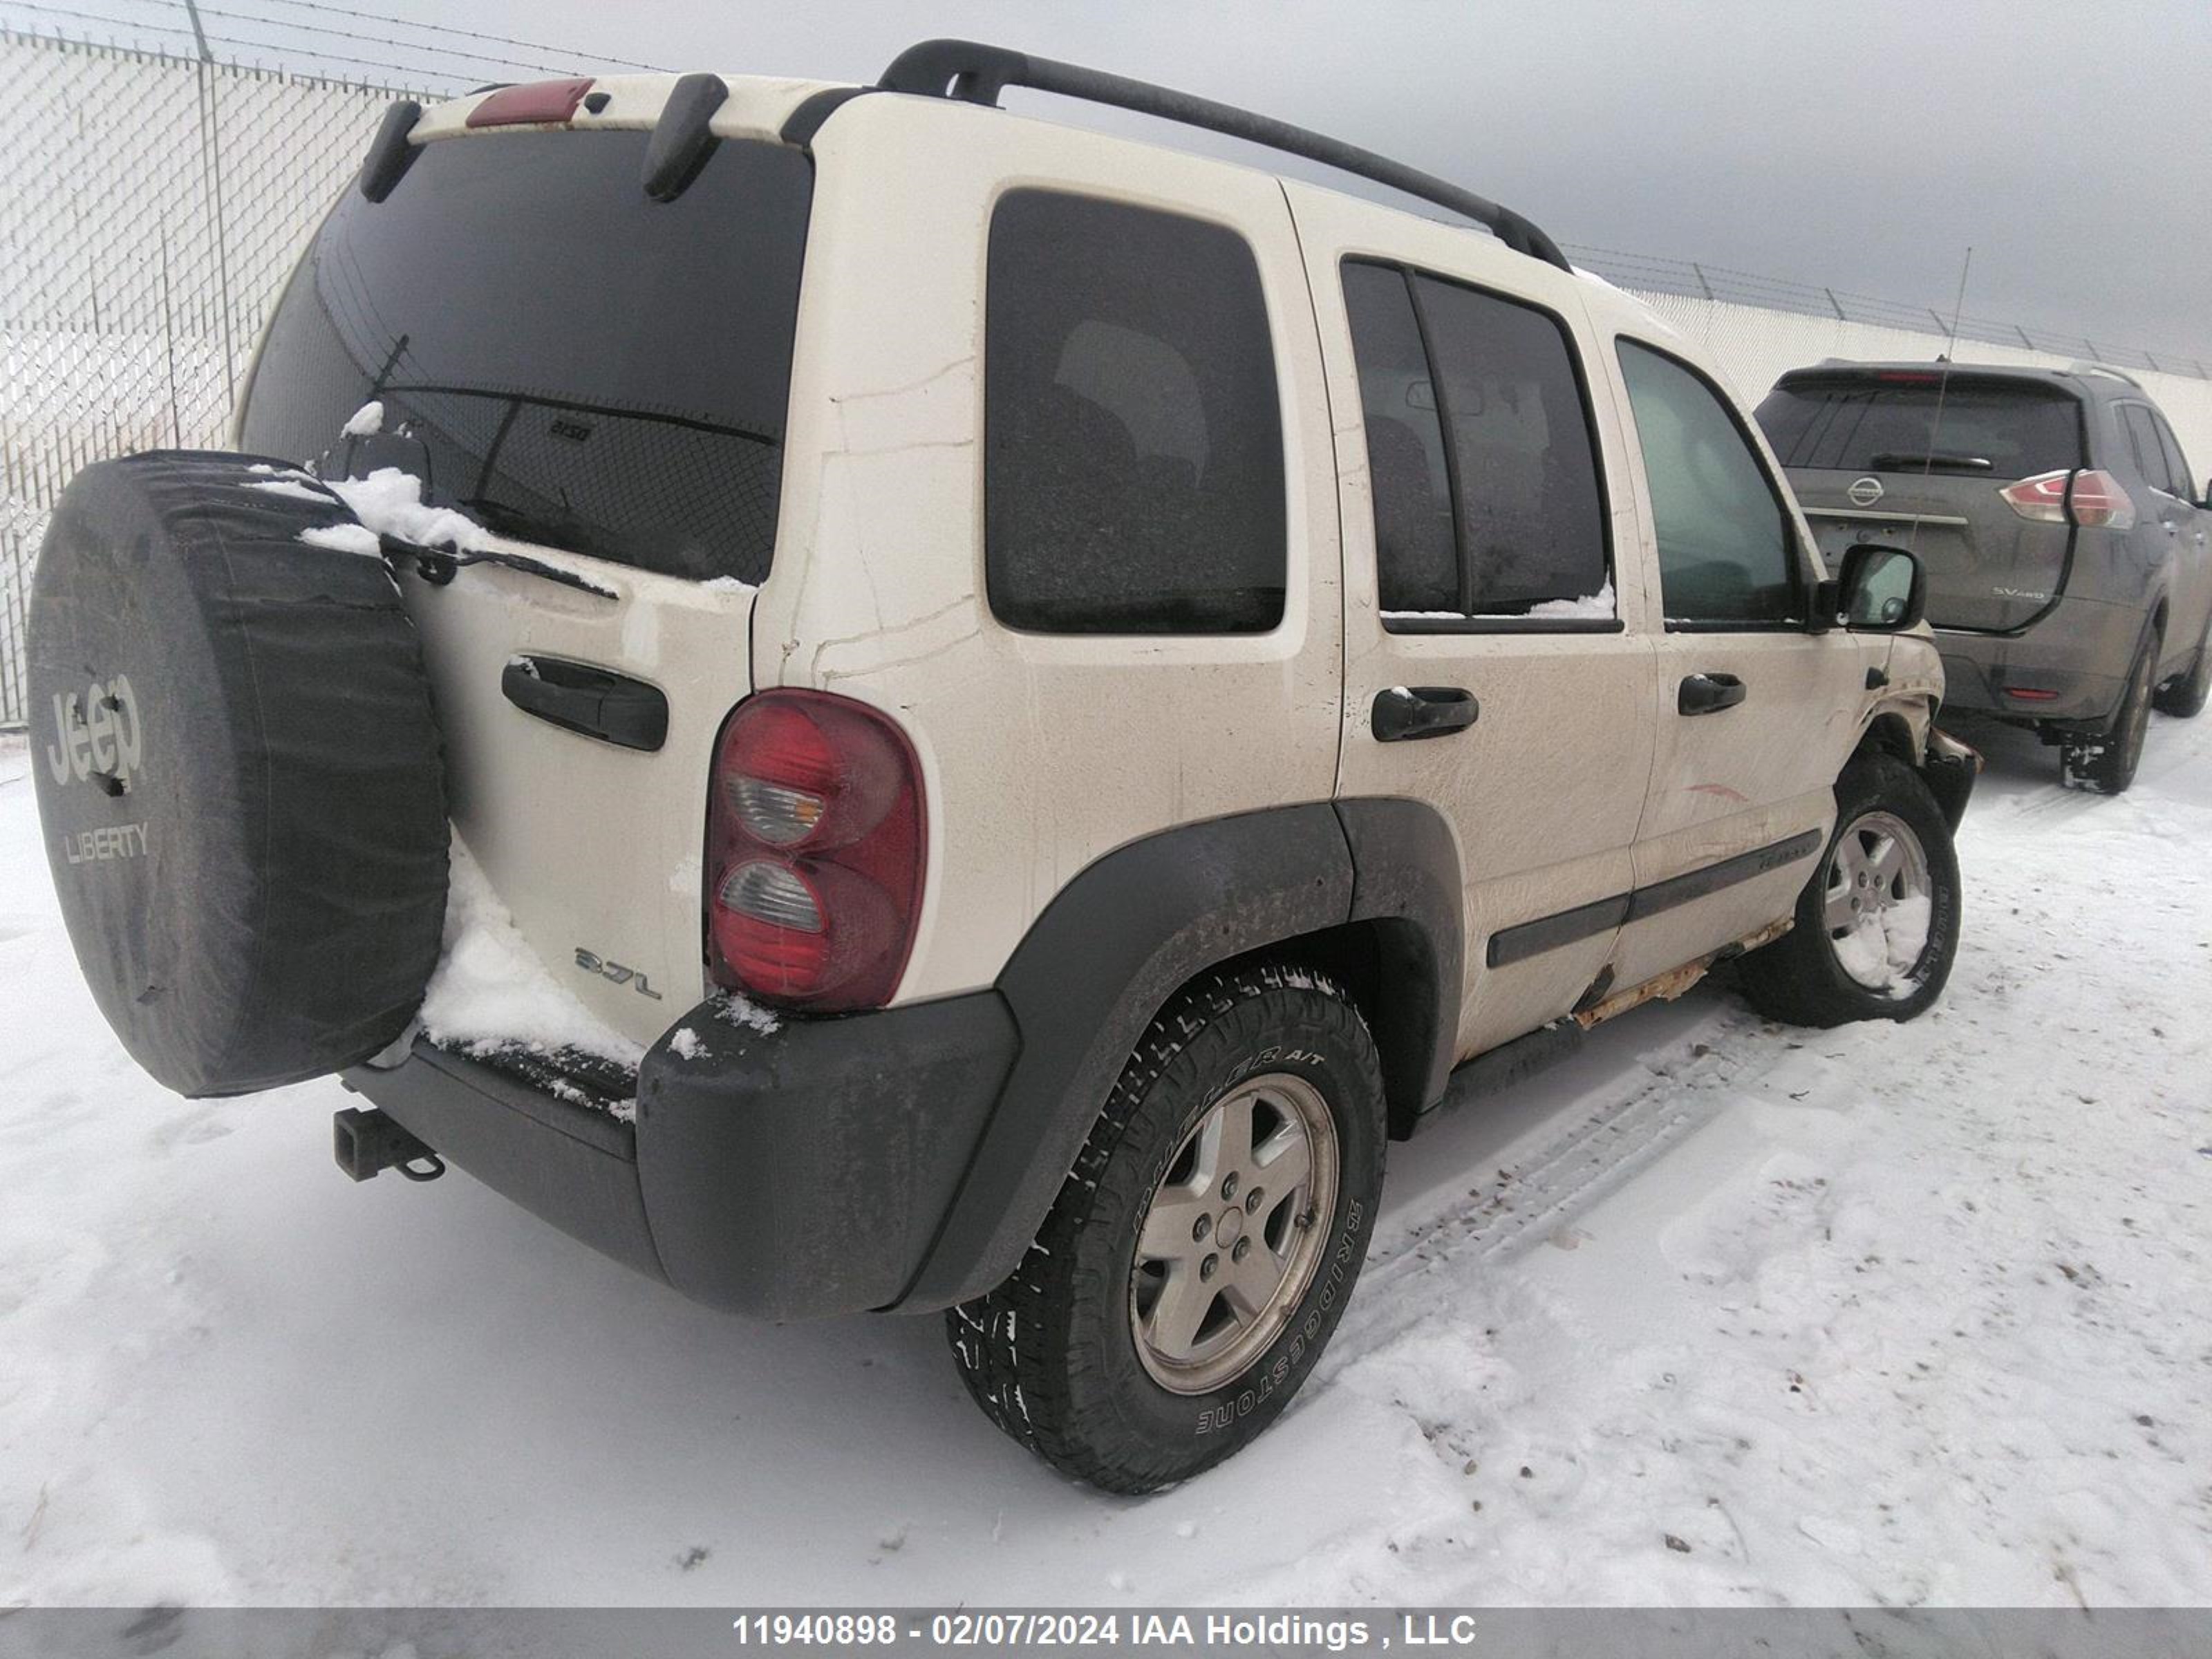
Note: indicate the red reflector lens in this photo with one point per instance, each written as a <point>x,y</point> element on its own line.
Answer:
<point>524,105</point>
<point>2030,694</point>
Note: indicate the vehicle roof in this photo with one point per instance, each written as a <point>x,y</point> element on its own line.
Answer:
<point>758,106</point>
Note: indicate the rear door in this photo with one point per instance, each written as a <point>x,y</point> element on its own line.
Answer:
<point>2168,524</point>
<point>1901,456</point>
<point>1497,664</point>
<point>601,379</point>
<point>2192,586</point>
<point>1755,714</point>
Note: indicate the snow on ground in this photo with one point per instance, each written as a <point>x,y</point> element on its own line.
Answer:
<point>1717,1313</point>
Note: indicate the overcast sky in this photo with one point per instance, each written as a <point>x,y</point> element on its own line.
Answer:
<point>1863,144</point>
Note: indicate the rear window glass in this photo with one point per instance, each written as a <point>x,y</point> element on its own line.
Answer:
<point>1861,425</point>
<point>1132,434</point>
<point>565,360</point>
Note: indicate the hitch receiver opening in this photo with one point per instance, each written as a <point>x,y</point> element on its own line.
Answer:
<point>368,1143</point>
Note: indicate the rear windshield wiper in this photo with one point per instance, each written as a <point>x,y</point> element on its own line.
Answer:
<point>437,565</point>
<point>1893,460</point>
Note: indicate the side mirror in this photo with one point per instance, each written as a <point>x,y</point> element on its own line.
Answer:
<point>1881,590</point>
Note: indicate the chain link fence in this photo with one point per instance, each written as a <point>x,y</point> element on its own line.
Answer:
<point>150,207</point>
<point>152,204</point>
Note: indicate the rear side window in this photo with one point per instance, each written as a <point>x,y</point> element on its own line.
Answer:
<point>1485,478</point>
<point>565,359</point>
<point>2176,462</point>
<point>1907,420</point>
<point>1133,473</point>
<point>1726,546</point>
<point>2158,457</point>
<point>2142,443</point>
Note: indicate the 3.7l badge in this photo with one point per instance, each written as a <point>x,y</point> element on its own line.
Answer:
<point>592,962</point>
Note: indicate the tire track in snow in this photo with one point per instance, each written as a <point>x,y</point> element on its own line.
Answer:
<point>1537,1198</point>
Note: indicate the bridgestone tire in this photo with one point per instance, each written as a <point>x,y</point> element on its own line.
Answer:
<point>1800,978</point>
<point>238,775</point>
<point>2184,695</point>
<point>1051,1355</point>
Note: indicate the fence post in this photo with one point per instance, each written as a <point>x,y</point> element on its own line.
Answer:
<point>211,147</point>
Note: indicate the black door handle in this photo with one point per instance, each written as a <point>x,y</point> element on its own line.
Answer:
<point>1708,694</point>
<point>1405,712</point>
<point>596,701</point>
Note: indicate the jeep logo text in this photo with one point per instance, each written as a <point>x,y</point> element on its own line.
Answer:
<point>100,738</point>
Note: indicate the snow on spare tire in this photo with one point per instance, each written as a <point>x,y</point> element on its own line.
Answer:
<point>238,775</point>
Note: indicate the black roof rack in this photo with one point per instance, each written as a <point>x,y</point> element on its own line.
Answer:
<point>976,74</point>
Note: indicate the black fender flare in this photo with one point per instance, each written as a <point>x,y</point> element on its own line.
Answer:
<point>1408,881</point>
<point>1130,930</point>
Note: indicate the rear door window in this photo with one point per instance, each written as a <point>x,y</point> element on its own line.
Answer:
<point>563,358</point>
<point>2151,464</point>
<point>1133,473</point>
<point>1909,421</point>
<point>2177,464</point>
<point>1486,491</point>
<point>1416,537</point>
<point>1726,548</point>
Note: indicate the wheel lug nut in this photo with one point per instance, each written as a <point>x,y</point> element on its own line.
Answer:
<point>1200,1228</point>
<point>1243,1248</point>
<point>1252,1201</point>
<point>1229,1186</point>
<point>1208,1267</point>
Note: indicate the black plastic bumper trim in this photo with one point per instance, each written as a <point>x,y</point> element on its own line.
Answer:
<point>569,1165</point>
<point>788,1173</point>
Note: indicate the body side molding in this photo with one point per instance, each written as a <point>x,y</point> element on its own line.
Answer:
<point>1528,938</point>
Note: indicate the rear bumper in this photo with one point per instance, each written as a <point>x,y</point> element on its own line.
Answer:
<point>2080,653</point>
<point>787,1174</point>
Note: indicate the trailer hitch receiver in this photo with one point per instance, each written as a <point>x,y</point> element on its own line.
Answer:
<point>368,1143</point>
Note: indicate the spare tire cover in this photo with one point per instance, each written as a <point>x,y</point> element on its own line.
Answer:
<point>239,775</point>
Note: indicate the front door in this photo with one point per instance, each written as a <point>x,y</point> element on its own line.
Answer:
<point>1755,714</point>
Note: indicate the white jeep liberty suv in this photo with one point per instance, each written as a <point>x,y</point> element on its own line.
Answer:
<point>1032,699</point>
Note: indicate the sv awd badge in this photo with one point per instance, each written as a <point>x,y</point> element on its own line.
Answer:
<point>614,970</point>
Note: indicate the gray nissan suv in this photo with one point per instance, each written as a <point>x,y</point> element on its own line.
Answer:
<point>2068,548</point>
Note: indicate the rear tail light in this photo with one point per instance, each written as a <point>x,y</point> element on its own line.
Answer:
<point>2097,499</point>
<point>815,852</point>
<point>2091,497</point>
